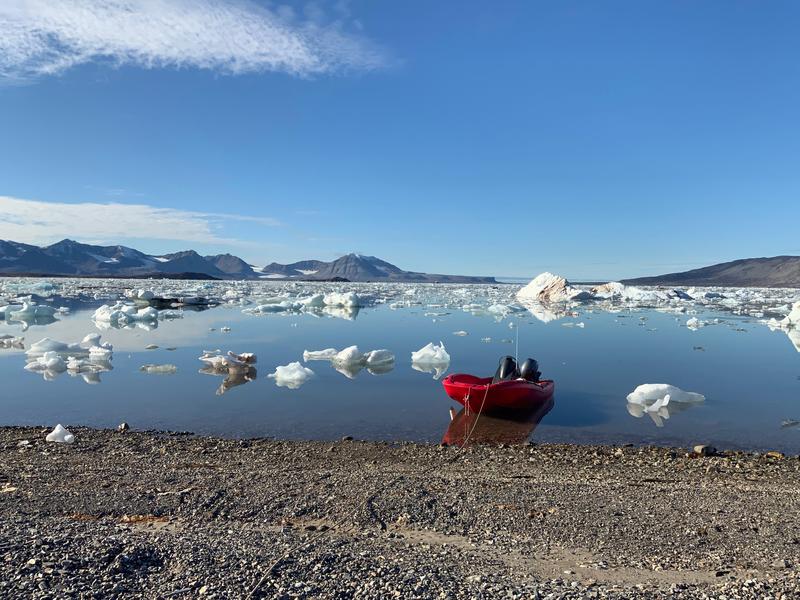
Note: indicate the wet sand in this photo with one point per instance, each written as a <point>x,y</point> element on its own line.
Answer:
<point>156,515</point>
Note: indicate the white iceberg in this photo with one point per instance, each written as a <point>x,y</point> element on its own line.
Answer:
<point>793,318</point>
<point>121,314</point>
<point>649,393</point>
<point>61,435</point>
<point>49,362</point>
<point>431,354</point>
<point>351,360</point>
<point>11,341</point>
<point>292,375</point>
<point>694,323</point>
<point>547,287</point>
<point>30,311</point>
<point>167,369</point>
<point>657,399</point>
<point>431,359</point>
<point>342,299</point>
<point>230,361</point>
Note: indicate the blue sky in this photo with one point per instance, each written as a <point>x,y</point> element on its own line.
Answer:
<point>593,139</point>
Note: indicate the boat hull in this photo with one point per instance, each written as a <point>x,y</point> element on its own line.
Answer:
<point>479,394</point>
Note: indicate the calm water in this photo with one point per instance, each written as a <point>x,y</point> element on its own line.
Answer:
<point>749,375</point>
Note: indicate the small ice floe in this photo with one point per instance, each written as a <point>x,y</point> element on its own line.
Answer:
<point>291,376</point>
<point>230,361</point>
<point>351,360</point>
<point>694,324</point>
<point>657,399</point>
<point>789,423</point>
<point>166,369</point>
<point>790,325</point>
<point>225,329</point>
<point>12,342</point>
<point>86,358</point>
<point>121,315</point>
<point>460,333</point>
<point>30,311</point>
<point>431,359</point>
<point>344,299</point>
<point>61,435</point>
<point>580,324</point>
<point>486,340</point>
<point>151,347</point>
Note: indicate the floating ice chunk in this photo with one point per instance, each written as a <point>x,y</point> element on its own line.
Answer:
<point>793,318</point>
<point>351,360</point>
<point>547,287</point>
<point>166,369</point>
<point>694,323</point>
<point>378,358</point>
<point>649,393</point>
<point>30,311</point>
<point>657,399</point>
<point>51,362</point>
<point>231,361</point>
<point>349,356</point>
<point>61,435</point>
<point>5,311</point>
<point>10,341</point>
<point>344,299</point>
<point>460,333</point>
<point>580,324</point>
<point>431,354</point>
<point>121,314</point>
<point>292,375</point>
<point>314,301</point>
<point>327,354</point>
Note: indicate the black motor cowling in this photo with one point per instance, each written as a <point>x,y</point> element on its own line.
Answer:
<point>506,370</point>
<point>529,370</point>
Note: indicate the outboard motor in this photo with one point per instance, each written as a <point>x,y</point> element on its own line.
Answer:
<point>530,370</point>
<point>507,370</point>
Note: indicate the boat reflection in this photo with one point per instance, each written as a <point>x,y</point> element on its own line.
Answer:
<point>233,377</point>
<point>500,427</point>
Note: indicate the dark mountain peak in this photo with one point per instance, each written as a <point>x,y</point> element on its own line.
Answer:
<point>775,271</point>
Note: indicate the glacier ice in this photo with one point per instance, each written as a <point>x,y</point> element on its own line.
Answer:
<point>351,360</point>
<point>431,359</point>
<point>166,369</point>
<point>61,435</point>
<point>547,287</point>
<point>87,358</point>
<point>291,376</point>
<point>657,399</point>
<point>431,354</point>
<point>12,341</point>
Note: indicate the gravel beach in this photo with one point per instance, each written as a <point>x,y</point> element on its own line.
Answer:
<point>158,515</point>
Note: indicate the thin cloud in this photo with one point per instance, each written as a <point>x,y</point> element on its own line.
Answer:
<point>37,222</point>
<point>43,37</point>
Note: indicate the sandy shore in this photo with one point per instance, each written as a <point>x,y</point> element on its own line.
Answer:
<point>156,515</point>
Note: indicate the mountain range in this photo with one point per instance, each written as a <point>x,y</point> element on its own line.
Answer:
<point>69,258</point>
<point>776,271</point>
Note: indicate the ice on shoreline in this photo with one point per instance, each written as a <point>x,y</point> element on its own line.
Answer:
<point>656,400</point>
<point>61,435</point>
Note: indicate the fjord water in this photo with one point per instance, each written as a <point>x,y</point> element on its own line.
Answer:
<point>749,375</point>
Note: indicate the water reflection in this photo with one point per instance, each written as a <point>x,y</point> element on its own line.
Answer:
<point>232,377</point>
<point>506,427</point>
<point>656,412</point>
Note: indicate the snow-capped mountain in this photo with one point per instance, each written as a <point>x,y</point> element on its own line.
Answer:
<point>71,258</point>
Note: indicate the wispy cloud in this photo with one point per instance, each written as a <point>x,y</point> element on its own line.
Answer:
<point>47,37</point>
<point>38,222</point>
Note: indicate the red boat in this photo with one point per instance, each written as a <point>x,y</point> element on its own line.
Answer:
<point>479,394</point>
